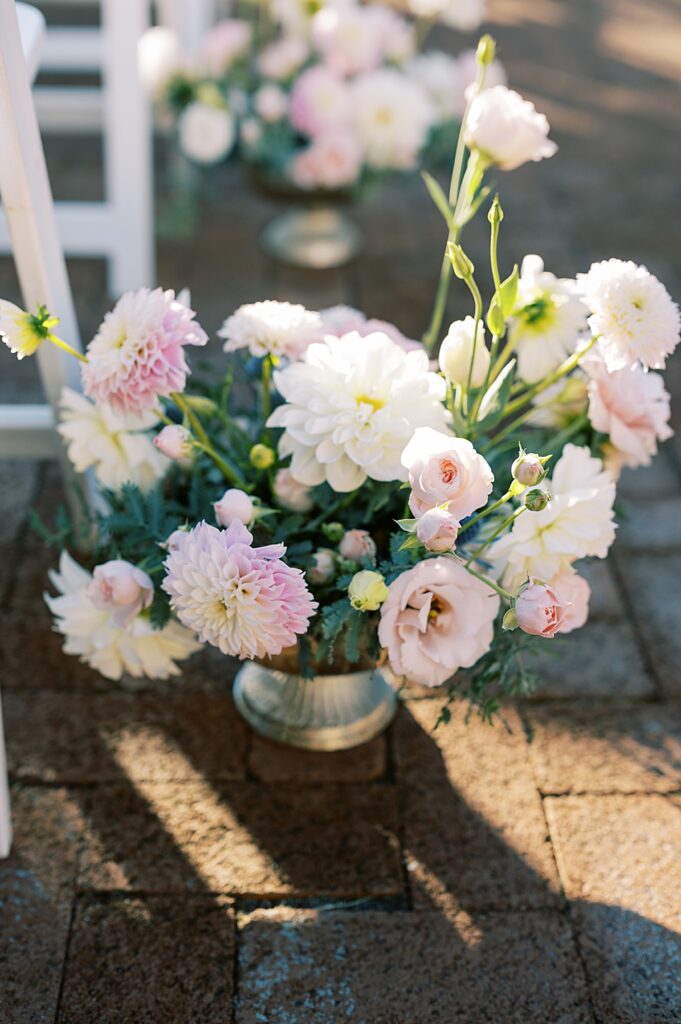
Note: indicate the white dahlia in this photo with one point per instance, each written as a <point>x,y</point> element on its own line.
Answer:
<point>115,445</point>
<point>547,321</point>
<point>392,116</point>
<point>279,329</point>
<point>93,634</point>
<point>350,408</point>
<point>632,312</point>
<point>577,523</point>
<point>244,600</point>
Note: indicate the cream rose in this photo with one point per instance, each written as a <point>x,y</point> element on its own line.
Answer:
<point>445,470</point>
<point>436,619</point>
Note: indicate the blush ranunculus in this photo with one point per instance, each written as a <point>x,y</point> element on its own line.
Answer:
<point>333,160</point>
<point>445,470</point>
<point>539,610</point>
<point>573,592</point>
<point>320,101</point>
<point>436,619</point>
<point>437,530</point>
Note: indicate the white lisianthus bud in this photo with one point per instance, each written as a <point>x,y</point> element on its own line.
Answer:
<point>437,530</point>
<point>206,133</point>
<point>367,591</point>
<point>506,129</point>
<point>174,441</point>
<point>528,469</point>
<point>536,500</point>
<point>457,351</point>
<point>358,546</point>
<point>324,566</point>
<point>122,589</point>
<point>234,504</point>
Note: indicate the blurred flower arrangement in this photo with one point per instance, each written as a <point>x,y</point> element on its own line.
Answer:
<point>318,97</point>
<point>420,503</point>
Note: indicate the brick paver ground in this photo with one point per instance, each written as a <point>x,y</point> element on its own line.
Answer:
<point>168,866</point>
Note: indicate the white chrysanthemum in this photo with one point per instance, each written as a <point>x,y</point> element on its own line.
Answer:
<point>93,635</point>
<point>279,329</point>
<point>392,116</point>
<point>548,319</point>
<point>113,444</point>
<point>351,407</point>
<point>632,312</point>
<point>577,523</point>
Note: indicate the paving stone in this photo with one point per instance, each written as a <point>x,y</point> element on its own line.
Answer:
<point>601,660</point>
<point>619,858</point>
<point>275,762</point>
<point>17,483</point>
<point>599,749</point>
<point>330,841</point>
<point>605,601</point>
<point>75,738</point>
<point>302,967</point>
<point>653,482</point>
<point>651,526</point>
<point>161,958</point>
<point>655,595</point>
<point>36,885</point>
<point>469,800</point>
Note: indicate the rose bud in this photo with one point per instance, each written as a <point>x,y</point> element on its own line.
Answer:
<point>528,470</point>
<point>536,500</point>
<point>324,566</point>
<point>538,610</point>
<point>358,546</point>
<point>437,530</point>
<point>333,532</point>
<point>367,591</point>
<point>122,589</point>
<point>234,504</point>
<point>174,441</point>
<point>291,494</point>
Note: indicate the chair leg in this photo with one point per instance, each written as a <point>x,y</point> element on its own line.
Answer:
<point>5,818</point>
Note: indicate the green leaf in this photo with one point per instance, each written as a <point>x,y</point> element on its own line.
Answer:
<point>439,198</point>
<point>353,636</point>
<point>496,397</point>
<point>495,318</point>
<point>408,525</point>
<point>508,293</point>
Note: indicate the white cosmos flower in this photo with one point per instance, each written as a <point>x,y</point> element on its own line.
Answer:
<point>392,116</point>
<point>632,312</point>
<point>350,408</point>
<point>93,635</point>
<point>547,321</point>
<point>577,523</point>
<point>206,132</point>
<point>273,328</point>
<point>113,444</point>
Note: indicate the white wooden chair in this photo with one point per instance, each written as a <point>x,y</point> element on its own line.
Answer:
<point>25,191</point>
<point>120,228</point>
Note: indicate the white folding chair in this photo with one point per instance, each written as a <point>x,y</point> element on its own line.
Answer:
<point>120,228</point>
<point>28,430</point>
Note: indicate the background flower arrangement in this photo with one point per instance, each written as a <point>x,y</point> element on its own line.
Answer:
<point>319,98</point>
<point>371,504</point>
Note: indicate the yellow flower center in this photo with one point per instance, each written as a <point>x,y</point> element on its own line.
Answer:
<point>375,403</point>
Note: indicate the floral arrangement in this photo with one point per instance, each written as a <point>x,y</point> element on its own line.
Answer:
<point>346,495</point>
<point>326,97</point>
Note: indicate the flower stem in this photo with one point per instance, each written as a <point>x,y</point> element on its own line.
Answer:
<point>566,367</point>
<point>486,511</point>
<point>487,580</point>
<point>573,428</point>
<point>193,420</point>
<point>231,474</point>
<point>65,347</point>
<point>266,388</point>
<point>493,536</point>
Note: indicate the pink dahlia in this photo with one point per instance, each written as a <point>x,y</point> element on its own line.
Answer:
<point>242,599</point>
<point>137,354</point>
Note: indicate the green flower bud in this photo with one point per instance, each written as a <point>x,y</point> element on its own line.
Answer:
<point>333,532</point>
<point>495,318</point>
<point>461,265</point>
<point>367,591</point>
<point>536,500</point>
<point>496,214</point>
<point>261,456</point>
<point>486,51</point>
